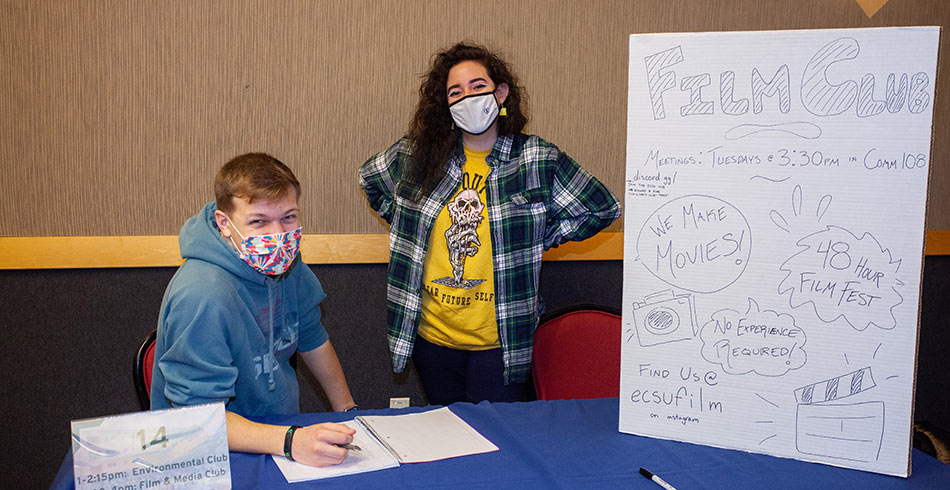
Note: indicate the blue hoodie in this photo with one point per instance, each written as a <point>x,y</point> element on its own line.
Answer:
<point>226,331</point>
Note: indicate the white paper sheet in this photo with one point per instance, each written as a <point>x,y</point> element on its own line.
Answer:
<point>387,440</point>
<point>372,456</point>
<point>427,436</point>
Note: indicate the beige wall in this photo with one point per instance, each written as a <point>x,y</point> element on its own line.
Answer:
<point>116,114</point>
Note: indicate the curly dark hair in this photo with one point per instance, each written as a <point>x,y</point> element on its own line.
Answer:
<point>432,135</point>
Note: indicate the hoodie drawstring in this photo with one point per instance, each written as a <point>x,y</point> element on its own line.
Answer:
<point>271,385</point>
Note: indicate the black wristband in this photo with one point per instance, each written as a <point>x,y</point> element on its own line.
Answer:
<point>354,408</point>
<point>289,441</point>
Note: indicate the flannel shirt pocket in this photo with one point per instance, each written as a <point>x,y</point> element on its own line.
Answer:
<point>526,214</point>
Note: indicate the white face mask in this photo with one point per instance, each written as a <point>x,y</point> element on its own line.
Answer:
<point>475,113</point>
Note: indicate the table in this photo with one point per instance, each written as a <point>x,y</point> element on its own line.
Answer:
<point>570,444</point>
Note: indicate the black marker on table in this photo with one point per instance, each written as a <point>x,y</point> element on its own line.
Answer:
<point>659,481</point>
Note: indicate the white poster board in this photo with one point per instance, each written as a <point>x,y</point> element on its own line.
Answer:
<point>774,223</point>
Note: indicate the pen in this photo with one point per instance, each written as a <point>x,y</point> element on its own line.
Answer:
<point>659,481</point>
<point>351,447</point>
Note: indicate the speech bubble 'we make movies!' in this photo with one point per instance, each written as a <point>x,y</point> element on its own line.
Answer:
<point>697,243</point>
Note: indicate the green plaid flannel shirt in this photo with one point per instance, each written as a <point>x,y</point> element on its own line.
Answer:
<point>537,197</point>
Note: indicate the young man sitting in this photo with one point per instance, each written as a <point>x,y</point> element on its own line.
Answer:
<point>239,307</point>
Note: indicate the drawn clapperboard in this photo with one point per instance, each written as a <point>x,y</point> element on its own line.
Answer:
<point>773,240</point>
<point>830,423</point>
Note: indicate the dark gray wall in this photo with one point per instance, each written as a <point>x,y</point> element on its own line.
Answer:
<point>68,338</point>
<point>933,351</point>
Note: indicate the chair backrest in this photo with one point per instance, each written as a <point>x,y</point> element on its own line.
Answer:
<point>142,370</point>
<point>577,353</point>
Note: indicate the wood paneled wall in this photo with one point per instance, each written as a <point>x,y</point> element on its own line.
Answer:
<point>115,114</point>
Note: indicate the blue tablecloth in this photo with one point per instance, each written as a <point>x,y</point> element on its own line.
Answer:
<point>573,444</point>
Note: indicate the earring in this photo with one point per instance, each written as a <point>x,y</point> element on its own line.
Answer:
<point>503,111</point>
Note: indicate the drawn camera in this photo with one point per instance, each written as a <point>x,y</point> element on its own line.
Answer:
<point>664,317</point>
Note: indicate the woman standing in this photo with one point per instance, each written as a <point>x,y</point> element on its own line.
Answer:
<point>472,203</point>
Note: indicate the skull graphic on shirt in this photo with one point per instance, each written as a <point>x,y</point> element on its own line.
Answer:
<point>461,238</point>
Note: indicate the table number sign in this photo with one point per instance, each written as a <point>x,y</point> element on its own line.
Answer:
<point>184,447</point>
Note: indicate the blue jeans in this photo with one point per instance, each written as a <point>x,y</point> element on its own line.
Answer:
<point>452,375</point>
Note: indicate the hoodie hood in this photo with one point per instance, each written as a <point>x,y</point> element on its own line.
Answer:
<point>227,332</point>
<point>200,239</point>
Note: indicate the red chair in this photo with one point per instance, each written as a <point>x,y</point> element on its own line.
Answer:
<point>577,353</point>
<point>142,370</point>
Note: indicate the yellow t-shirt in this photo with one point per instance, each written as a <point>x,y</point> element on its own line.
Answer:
<point>458,298</point>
